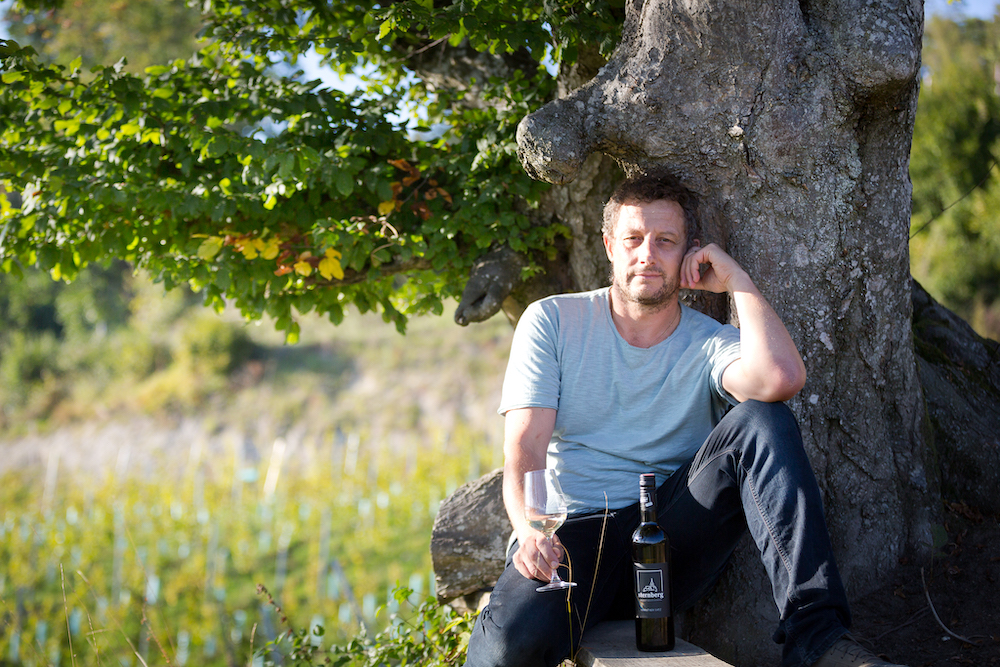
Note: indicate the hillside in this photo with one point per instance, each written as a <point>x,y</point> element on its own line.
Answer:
<point>361,377</point>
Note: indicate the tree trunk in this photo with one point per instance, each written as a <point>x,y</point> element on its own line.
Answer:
<point>793,121</point>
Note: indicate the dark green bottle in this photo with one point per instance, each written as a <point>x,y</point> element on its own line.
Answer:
<point>654,624</point>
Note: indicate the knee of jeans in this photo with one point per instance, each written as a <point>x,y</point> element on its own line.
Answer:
<point>769,418</point>
<point>513,644</point>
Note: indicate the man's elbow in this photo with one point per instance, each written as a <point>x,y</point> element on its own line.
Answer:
<point>783,383</point>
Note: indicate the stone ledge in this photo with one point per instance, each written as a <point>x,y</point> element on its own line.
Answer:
<point>612,644</point>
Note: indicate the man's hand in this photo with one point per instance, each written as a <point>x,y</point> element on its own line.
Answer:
<point>721,273</point>
<point>535,557</point>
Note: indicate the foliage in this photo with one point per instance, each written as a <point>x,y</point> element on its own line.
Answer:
<point>275,194</point>
<point>953,166</point>
<point>435,635</point>
<point>227,173</point>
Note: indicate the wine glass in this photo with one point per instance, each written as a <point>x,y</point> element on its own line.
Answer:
<point>545,510</point>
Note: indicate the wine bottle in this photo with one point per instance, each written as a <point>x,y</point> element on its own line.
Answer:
<point>654,624</point>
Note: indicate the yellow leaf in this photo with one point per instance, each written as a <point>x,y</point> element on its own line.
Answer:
<point>386,207</point>
<point>303,268</point>
<point>5,208</point>
<point>329,268</point>
<point>332,253</point>
<point>271,249</point>
<point>249,250</point>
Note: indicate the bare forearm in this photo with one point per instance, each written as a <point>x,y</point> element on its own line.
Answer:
<point>770,368</point>
<point>526,440</point>
<point>513,494</point>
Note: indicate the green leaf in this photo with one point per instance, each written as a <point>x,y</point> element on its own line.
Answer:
<point>210,247</point>
<point>344,182</point>
<point>286,166</point>
<point>385,29</point>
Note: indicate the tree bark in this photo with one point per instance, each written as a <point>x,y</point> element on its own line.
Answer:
<point>793,121</point>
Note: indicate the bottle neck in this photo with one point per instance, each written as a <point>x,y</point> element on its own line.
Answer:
<point>647,504</point>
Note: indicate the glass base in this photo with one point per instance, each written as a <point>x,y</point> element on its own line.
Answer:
<point>556,585</point>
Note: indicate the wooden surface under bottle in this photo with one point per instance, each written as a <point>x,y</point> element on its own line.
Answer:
<point>612,644</point>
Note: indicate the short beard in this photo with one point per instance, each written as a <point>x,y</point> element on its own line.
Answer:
<point>653,302</point>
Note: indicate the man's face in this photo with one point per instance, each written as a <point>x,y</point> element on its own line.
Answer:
<point>646,251</point>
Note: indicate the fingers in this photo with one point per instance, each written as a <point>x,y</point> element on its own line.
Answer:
<point>537,558</point>
<point>691,267</point>
<point>531,564</point>
<point>708,268</point>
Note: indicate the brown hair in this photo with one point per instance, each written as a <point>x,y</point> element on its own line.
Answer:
<point>649,187</point>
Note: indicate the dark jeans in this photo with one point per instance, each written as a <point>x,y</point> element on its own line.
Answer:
<point>752,473</point>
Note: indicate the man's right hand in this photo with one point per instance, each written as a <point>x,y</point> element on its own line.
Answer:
<point>536,557</point>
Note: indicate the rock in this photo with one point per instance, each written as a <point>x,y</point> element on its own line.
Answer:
<point>960,375</point>
<point>469,541</point>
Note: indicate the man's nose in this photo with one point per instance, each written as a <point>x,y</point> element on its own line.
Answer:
<point>647,250</point>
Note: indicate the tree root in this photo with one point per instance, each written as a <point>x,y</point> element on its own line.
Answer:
<point>938,618</point>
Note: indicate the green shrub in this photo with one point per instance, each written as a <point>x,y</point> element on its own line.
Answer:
<point>435,635</point>
<point>26,361</point>
<point>209,345</point>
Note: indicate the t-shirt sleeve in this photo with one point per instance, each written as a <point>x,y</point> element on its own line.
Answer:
<point>532,377</point>
<point>724,349</point>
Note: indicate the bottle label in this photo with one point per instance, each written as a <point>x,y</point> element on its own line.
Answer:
<point>652,590</point>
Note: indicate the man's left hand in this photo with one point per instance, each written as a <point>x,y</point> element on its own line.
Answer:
<point>711,269</point>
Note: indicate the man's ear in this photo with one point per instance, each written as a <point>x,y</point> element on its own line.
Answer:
<point>694,243</point>
<point>608,242</point>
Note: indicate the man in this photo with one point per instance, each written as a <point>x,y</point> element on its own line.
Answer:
<point>605,385</point>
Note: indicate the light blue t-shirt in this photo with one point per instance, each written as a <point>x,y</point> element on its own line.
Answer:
<point>621,410</point>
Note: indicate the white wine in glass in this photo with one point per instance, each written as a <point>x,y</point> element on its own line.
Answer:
<point>545,509</point>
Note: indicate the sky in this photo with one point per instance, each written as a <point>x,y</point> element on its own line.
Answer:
<point>980,9</point>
